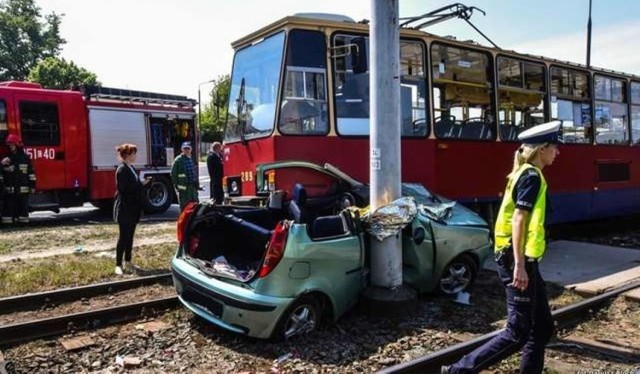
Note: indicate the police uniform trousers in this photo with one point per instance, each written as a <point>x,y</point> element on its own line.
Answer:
<point>188,195</point>
<point>529,326</point>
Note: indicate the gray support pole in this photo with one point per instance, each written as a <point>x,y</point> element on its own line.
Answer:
<point>384,143</point>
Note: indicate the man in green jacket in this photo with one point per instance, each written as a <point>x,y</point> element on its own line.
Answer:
<point>184,176</point>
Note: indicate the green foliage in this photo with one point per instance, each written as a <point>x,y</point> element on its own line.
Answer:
<point>53,72</point>
<point>26,37</point>
<point>214,113</point>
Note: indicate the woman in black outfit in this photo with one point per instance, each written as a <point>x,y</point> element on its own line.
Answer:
<point>128,205</point>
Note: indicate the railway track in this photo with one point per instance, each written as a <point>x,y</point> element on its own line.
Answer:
<point>564,317</point>
<point>35,329</point>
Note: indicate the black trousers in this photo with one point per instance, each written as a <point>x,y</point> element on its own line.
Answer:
<point>529,327</point>
<point>16,205</point>
<point>125,242</point>
<point>217,194</point>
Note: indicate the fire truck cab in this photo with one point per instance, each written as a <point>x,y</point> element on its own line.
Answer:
<point>71,137</point>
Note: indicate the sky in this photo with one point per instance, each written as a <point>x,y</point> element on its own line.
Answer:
<point>175,46</point>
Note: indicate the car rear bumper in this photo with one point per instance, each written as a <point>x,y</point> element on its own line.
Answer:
<point>229,306</point>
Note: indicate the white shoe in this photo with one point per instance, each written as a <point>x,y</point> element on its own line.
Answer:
<point>119,270</point>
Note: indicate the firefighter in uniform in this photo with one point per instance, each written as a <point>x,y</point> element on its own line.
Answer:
<point>184,177</point>
<point>519,245</point>
<point>19,182</point>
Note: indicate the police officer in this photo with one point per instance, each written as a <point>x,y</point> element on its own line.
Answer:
<point>519,245</point>
<point>184,177</point>
<point>19,182</point>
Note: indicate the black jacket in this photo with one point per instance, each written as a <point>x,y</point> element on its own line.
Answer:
<point>215,168</point>
<point>19,176</point>
<point>128,205</point>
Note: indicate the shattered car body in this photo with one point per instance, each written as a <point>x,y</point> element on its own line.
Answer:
<point>281,269</point>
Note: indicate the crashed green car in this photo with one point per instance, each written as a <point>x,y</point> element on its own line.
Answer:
<point>281,269</point>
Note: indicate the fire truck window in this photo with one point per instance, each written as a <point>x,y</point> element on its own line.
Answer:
<point>3,121</point>
<point>303,109</point>
<point>462,93</point>
<point>571,103</point>
<point>352,90</point>
<point>521,96</point>
<point>40,123</point>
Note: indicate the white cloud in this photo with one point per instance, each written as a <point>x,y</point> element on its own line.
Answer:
<point>613,48</point>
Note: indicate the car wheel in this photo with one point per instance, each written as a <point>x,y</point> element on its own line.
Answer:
<point>157,196</point>
<point>302,317</point>
<point>458,275</point>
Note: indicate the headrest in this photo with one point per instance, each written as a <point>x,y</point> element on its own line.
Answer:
<point>299,194</point>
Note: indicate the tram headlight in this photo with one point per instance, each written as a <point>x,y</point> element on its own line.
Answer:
<point>271,181</point>
<point>234,187</point>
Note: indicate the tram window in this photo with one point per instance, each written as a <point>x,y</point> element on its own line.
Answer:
<point>570,103</point>
<point>352,90</point>
<point>3,121</point>
<point>635,113</point>
<point>40,123</point>
<point>303,109</point>
<point>611,114</point>
<point>254,89</point>
<point>462,93</point>
<point>521,96</point>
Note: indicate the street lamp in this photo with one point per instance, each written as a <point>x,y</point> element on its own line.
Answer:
<point>199,104</point>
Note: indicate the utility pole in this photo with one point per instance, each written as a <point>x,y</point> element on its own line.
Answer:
<point>589,38</point>
<point>385,158</point>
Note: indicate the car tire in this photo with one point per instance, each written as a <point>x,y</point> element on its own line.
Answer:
<point>302,317</point>
<point>158,195</point>
<point>458,275</point>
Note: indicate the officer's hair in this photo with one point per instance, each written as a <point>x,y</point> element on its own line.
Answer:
<point>126,149</point>
<point>525,153</point>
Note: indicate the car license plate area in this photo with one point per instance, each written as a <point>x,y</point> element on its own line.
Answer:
<point>193,296</point>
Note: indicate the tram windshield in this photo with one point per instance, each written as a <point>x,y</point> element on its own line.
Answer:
<point>254,89</point>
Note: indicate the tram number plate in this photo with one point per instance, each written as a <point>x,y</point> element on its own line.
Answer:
<point>246,176</point>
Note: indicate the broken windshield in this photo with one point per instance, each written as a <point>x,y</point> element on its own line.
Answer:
<point>254,88</point>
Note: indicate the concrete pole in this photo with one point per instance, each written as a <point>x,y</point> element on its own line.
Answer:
<point>385,176</point>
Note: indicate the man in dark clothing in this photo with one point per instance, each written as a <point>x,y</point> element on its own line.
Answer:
<point>19,182</point>
<point>216,171</point>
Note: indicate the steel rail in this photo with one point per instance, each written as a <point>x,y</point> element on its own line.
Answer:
<point>31,330</point>
<point>37,300</point>
<point>564,317</point>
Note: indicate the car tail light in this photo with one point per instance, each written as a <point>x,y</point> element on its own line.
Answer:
<point>183,220</point>
<point>275,250</point>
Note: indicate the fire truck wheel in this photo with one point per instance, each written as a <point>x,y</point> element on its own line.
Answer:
<point>158,196</point>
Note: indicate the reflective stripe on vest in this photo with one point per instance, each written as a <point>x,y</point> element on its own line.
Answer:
<point>534,242</point>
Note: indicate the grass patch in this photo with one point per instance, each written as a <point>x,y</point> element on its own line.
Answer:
<point>52,237</point>
<point>75,270</point>
<point>4,247</point>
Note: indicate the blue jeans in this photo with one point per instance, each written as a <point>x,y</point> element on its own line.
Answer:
<point>529,326</point>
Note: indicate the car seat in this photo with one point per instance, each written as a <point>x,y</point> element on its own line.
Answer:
<point>298,204</point>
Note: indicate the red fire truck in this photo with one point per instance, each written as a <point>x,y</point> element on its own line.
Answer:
<point>71,137</point>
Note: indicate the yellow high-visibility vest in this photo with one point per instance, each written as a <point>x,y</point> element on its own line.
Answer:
<point>534,241</point>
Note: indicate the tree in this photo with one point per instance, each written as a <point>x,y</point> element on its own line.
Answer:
<point>53,72</point>
<point>214,113</point>
<point>26,37</point>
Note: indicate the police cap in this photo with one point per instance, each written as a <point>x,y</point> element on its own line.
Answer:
<point>544,133</point>
<point>186,145</point>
